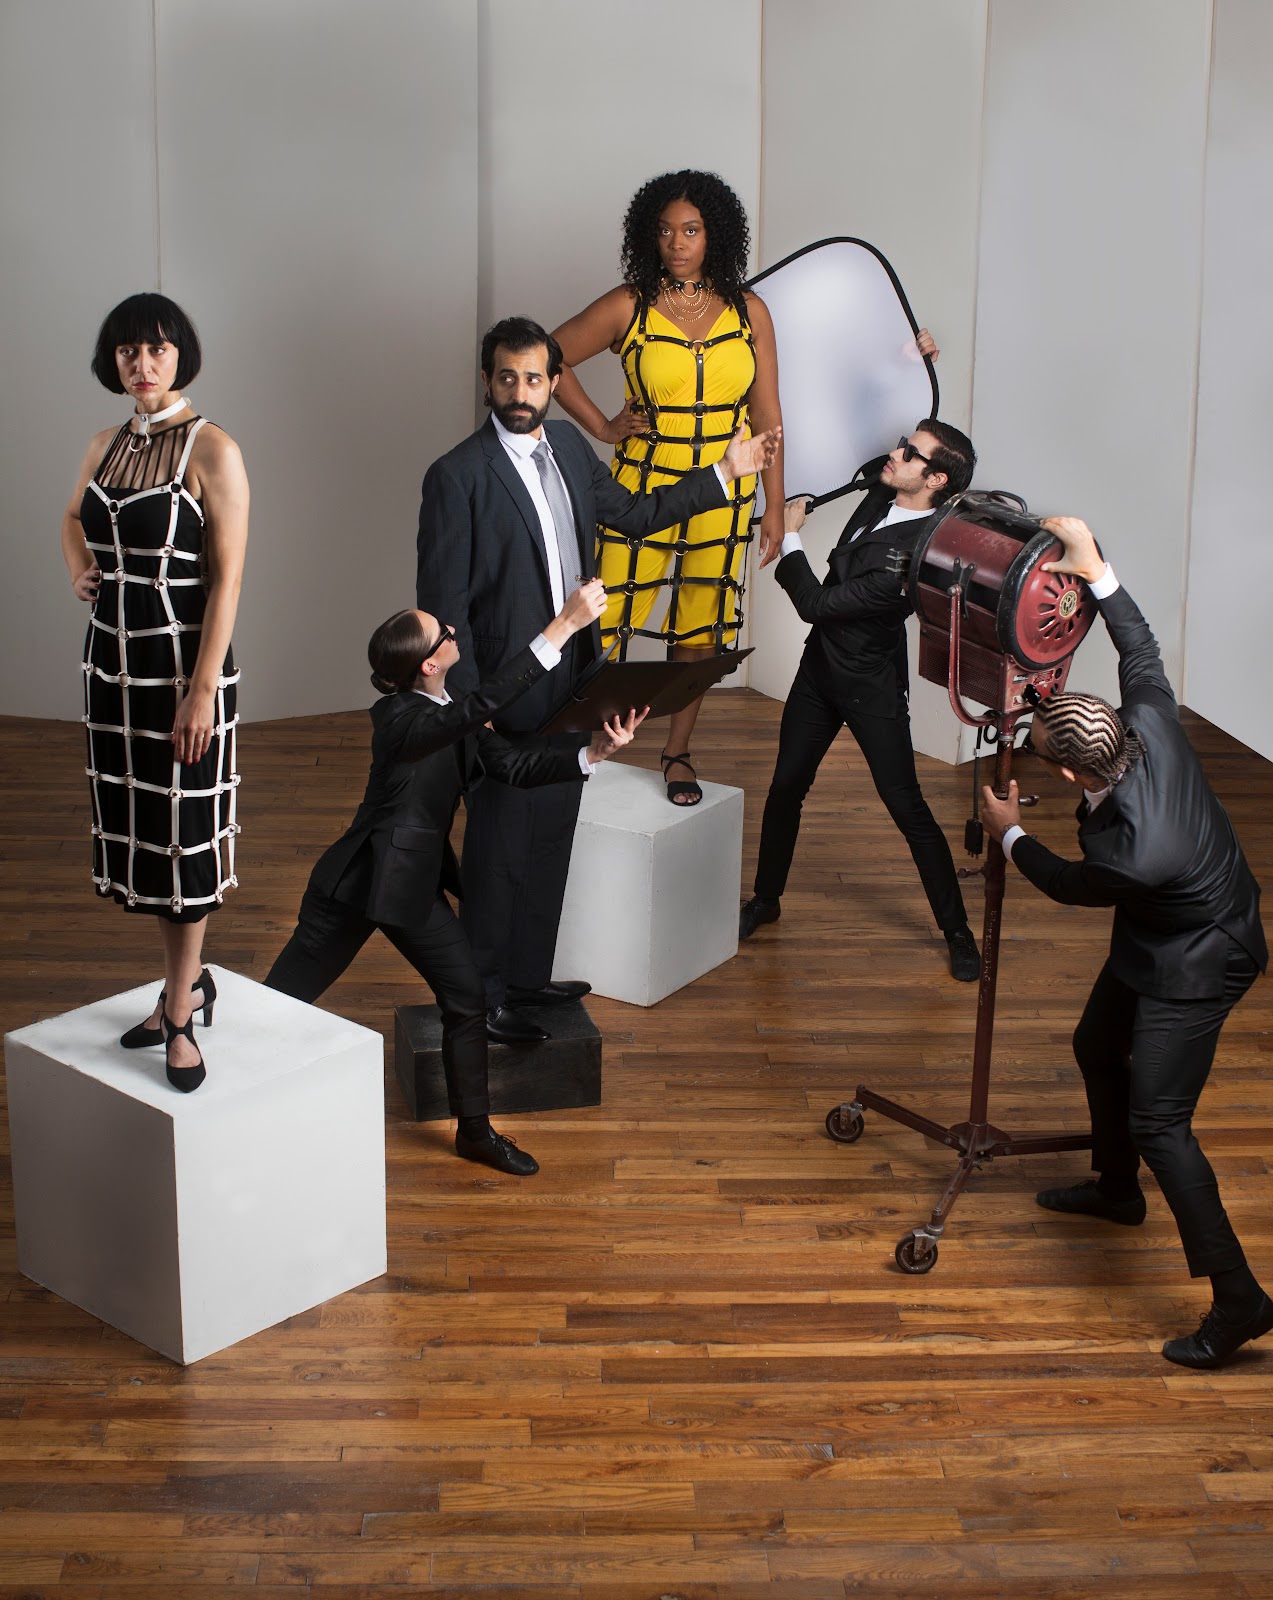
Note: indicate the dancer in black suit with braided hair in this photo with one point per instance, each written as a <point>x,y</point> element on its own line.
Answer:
<point>1186,946</point>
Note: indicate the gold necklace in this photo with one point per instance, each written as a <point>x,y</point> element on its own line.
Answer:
<point>689,307</point>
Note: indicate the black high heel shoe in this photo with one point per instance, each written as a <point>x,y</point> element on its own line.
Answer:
<point>187,1079</point>
<point>142,1037</point>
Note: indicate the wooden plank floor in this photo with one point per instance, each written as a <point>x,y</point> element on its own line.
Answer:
<point>680,1361</point>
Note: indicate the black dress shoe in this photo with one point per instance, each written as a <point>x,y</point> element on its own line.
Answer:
<point>1086,1200</point>
<point>506,1026</point>
<point>559,993</point>
<point>495,1150</point>
<point>965,958</point>
<point>1217,1338</point>
<point>755,912</point>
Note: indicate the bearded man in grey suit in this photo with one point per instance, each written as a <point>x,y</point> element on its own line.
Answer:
<point>508,523</point>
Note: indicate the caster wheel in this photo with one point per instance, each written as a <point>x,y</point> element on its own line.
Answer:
<point>915,1255</point>
<point>845,1124</point>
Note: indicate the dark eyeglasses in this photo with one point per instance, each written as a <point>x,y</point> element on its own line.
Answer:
<point>448,632</point>
<point>910,453</point>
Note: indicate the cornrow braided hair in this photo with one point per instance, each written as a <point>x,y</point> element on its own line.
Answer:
<point>1086,734</point>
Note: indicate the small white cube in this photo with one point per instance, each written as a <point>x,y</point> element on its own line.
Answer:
<point>652,897</point>
<point>192,1221</point>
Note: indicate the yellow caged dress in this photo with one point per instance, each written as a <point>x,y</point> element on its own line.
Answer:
<point>694,392</point>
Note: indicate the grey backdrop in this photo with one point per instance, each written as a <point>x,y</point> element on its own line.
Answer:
<point>343,196</point>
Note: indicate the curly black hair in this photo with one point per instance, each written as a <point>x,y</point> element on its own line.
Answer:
<point>728,236</point>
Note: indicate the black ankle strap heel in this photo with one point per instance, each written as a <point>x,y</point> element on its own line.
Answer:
<point>142,1038</point>
<point>187,1079</point>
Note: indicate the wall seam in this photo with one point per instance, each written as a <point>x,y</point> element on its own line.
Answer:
<point>154,127</point>
<point>981,194</point>
<point>1191,478</point>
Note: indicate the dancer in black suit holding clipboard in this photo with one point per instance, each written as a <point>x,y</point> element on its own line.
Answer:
<point>392,865</point>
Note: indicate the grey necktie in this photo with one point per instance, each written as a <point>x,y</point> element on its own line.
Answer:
<point>564,548</point>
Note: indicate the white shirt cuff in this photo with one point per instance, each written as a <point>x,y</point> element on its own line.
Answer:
<point>1105,585</point>
<point>721,478</point>
<point>791,544</point>
<point>546,654</point>
<point>1010,838</point>
<point>585,766</point>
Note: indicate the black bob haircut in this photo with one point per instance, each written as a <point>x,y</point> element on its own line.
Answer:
<point>146,319</point>
<point>517,334</point>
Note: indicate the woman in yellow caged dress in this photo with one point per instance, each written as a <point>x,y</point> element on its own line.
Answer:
<point>698,356</point>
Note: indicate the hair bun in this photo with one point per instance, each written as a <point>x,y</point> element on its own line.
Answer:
<point>382,685</point>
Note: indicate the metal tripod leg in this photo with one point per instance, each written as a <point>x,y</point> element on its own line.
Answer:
<point>977,1139</point>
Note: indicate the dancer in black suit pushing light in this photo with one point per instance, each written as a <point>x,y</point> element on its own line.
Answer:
<point>1185,947</point>
<point>394,864</point>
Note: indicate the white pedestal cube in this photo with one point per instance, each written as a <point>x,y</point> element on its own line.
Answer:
<point>652,897</point>
<point>192,1221</point>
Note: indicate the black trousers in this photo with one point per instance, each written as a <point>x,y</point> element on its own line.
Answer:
<point>517,846</point>
<point>330,934</point>
<point>1144,1063</point>
<point>811,720</point>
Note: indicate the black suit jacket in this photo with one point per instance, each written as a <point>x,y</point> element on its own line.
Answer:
<point>1160,847</point>
<point>396,854</point>
<point>857,649</point>
<point>481,564</point>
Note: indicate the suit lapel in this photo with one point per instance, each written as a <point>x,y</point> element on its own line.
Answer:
<point>506,472</point>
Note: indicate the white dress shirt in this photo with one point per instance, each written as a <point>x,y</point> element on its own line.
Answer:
<point>895,513</point>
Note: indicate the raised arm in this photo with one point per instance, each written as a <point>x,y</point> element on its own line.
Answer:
<point>601,326</point>
<point>881,593</point>
<point>220,481</point>
<point>1141,679</point>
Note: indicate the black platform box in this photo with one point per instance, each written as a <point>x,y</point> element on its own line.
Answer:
<point>563,1071</point>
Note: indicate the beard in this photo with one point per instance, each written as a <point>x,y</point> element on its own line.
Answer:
<point>518,418</point>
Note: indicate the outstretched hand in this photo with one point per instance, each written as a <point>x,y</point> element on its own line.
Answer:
<point>1081,557</point>
<point>613,735</point>
<point>746,456</point>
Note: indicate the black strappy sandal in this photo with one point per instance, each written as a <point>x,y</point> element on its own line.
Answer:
<point>143,1037</point>
<point>678,786</point>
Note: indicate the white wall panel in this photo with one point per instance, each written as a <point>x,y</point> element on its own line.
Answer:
<point>872,120</point>
<point>77,193</point>
<point>581,104</point>
<point>1088,293</point>
<point>318,191</point>
<point>1229,643</point>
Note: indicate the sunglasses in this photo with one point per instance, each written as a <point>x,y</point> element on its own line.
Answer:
<point>910,453</point>
<point>448,632</point>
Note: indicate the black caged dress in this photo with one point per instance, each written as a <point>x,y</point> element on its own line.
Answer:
<point>163,833</point>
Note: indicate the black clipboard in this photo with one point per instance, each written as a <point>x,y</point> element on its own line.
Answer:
<point>613,688</point>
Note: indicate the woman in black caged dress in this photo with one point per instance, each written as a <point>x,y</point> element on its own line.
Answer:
<point>154,539</point>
